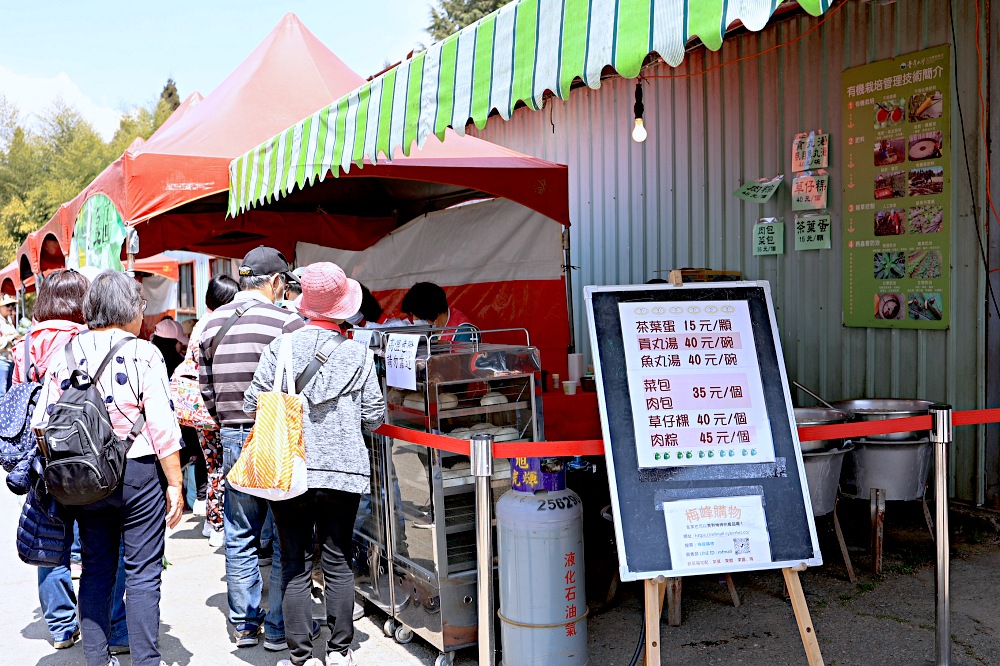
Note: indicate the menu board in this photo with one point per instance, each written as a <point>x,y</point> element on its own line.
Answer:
<point>695,386</point>
<point>704,465</point>
<point>897,175</point>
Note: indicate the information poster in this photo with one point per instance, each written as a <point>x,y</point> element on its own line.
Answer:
<point>897,175</point>
<point>729,532</point>
<point>694,384</point>
<point>810,151</point>
<point>400,356</point>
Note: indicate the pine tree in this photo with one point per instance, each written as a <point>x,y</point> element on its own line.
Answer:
<point>167,104</point>
<point>450,16</point>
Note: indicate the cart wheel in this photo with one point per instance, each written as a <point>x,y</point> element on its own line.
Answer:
<point>389,628</point>
<point>403,634</point>
<point>445,659</point>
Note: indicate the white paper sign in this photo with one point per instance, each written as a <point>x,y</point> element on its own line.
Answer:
<point>717,534</point>
<point>363,336</point>
<point>400,368</point>
<point>694,383</point>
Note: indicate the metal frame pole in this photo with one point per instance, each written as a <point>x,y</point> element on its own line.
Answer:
<point>481,459</point>
<point>941,436</point>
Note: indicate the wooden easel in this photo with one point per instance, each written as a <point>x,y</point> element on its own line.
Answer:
<point>656,590</point>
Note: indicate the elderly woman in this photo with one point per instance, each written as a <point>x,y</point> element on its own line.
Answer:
<point>341,398</point>
<point>137,513</point>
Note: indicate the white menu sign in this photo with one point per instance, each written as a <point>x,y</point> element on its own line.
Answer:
<point>716,534</point>
<point>400,368</point>
<point>694,383</point>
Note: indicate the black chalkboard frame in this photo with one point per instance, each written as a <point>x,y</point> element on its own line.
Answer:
<point>637,496</point>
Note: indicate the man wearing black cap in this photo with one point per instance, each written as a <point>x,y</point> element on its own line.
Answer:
<point>234,336</point>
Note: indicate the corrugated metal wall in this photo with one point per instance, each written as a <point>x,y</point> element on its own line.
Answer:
<point>668,203</point>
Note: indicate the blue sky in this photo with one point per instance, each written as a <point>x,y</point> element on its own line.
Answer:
<point>104,56</point>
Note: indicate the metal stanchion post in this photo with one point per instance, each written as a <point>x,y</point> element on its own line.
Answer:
<point>481,458</point>
<point>941,436</point>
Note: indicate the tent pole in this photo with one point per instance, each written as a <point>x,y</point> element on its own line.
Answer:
<point>568,270</point>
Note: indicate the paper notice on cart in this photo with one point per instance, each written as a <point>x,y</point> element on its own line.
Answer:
<point>694,383</point>
<point>362,336</point>
<point>400,357</point>
<point>717,534</point>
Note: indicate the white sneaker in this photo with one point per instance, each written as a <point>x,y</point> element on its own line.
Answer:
<point>312,662</point>
<point>199,508</point>
<point>337,659</point>
<point>206,529</point>
<point>217,538</point>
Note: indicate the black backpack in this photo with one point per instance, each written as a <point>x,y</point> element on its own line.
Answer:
<point>84,458</point>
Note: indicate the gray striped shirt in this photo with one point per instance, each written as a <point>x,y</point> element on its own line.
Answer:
<point>226,377</point>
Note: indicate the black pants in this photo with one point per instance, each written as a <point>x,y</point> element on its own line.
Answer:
<point>134,514</point>
<point>330,515</point>
<point>194,453</point>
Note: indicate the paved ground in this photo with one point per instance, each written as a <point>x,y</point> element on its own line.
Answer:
<point>887,621</point>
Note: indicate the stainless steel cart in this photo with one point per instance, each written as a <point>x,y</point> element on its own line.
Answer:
<point>424,539</point>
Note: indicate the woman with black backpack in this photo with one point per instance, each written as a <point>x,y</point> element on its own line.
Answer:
<point>130,376</point>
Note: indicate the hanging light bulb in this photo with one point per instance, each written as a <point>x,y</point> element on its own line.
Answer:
<point>638,132</point>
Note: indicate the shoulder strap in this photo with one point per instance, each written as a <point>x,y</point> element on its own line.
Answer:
<point>317,362</point>
<point>217,340</point>
<point>27,357</point>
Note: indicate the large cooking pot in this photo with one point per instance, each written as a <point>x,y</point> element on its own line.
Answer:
<point>812,416</point>
<point>880,409</point>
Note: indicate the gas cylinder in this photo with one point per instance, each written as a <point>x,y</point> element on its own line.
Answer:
<point>543,601</point>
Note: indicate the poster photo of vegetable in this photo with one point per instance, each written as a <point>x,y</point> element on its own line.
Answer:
<point>926,146</point>
<point>925,181</point>
<point>890,265</point>
<point>890,151</point>
<point>926,219</point>
<point>889,306</point>
<point>890,222</point>
<point>889,112</point>
<point>925,106</point>
<point>890,185</point>
<point>923,264</point>
<point>927,307</point>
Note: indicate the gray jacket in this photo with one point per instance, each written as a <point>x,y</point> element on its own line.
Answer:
<point>339,403</point>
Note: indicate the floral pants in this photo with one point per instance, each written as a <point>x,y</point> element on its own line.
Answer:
<point>212,447</point>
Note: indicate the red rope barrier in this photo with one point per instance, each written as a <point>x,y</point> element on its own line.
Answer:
<point>595,447</point>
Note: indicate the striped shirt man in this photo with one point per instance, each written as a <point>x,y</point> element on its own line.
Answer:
<point>225,378</point>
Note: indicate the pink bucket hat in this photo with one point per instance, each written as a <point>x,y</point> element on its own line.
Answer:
<point>327,292</point>
<point>168,328</point>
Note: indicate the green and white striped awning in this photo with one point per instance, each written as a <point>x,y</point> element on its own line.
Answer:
<point>513,55</point>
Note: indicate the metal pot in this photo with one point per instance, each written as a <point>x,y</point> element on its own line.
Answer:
<point>823,476</point>
<point>898,468</point>
<point>814,416</point>
<point>880,409</point>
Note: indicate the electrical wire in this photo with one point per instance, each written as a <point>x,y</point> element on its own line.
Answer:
<point>965,149</point>
<point>640,645</point>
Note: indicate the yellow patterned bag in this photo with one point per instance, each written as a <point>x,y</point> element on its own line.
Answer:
<point>272,464</point>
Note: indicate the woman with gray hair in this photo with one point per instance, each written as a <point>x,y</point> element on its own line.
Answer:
<point>148,500</point>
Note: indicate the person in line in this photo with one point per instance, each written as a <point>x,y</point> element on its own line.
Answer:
<point>343,398</point>
<point>225,371</point>
<point>426,303</point>
<point>57,319</point>
<point>221,291</point>
<point>141,508</point>
<point>8,336</point>
<point>168,336</point>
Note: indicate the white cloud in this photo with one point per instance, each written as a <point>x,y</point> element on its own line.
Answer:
<point>34,96</point>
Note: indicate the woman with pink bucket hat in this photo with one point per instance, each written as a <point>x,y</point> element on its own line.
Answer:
<point>341,397</point>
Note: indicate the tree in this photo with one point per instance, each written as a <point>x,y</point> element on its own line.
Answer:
<point>450,16</point>
<point>168,103</point>
<point>46,165</point>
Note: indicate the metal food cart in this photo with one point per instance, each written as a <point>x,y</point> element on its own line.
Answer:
<point>415,554</point>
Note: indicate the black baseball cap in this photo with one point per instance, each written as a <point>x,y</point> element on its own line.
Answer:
<point>265,261</point>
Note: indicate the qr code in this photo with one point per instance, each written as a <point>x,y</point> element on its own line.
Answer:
<point>742,546</point>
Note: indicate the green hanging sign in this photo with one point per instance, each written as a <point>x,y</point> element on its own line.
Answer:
<point>98,235</point>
